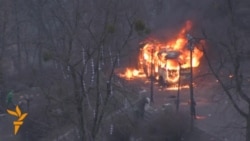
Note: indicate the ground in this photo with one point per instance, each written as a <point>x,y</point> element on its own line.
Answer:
<point>216,118</point>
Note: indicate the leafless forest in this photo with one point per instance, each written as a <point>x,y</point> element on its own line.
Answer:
<point>61,60</point>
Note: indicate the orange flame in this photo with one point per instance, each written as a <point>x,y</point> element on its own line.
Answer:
<point>131,73</point>
<point>170,56</point>
<point>166,58</point>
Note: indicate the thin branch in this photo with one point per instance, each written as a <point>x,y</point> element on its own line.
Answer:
<point>240,111</point>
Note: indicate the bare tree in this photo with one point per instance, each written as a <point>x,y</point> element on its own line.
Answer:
<point>70,50</point>
<point>80,41</point>
<point>232,60</point>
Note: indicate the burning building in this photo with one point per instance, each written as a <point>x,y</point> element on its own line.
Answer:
<point>167,61</point>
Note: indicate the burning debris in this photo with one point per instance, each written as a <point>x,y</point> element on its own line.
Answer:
<point>132,73</point>
<point>175,88</point>
<point>167,61</point>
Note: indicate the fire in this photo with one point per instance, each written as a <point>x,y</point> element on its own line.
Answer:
<point>167,61</point>
<point>175,88</point>
<point>131,73</point>
<point>135,72</point>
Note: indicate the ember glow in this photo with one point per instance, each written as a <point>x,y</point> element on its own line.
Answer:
<point>167,61</point>
<point>175,88</point>
<point>230,76</point>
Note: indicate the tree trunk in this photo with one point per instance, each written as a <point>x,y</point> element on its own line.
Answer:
<point>248,125</point>
<point>18,41</point>
<point>80,110</point>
